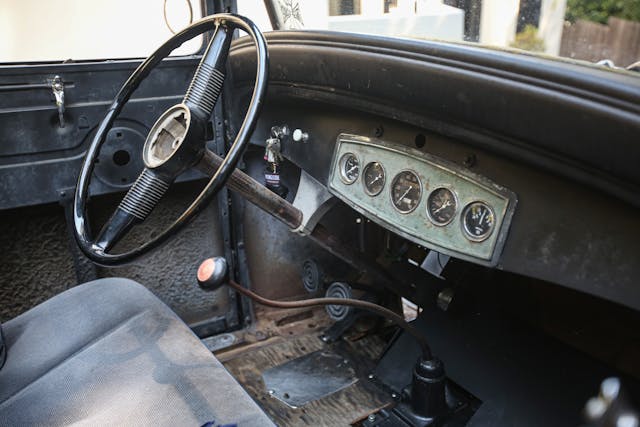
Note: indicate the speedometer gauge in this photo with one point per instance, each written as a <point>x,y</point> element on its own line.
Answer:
<point>349,168</point>
<point>406,191</point>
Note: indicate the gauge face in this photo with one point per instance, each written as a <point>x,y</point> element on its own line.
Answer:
<point>478,221</point>
<point>441,206</point>
<point>349,168</point>
<point>373,177</point>
<point>406,191</point>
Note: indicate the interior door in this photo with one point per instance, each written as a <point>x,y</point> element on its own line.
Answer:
<point>50,107</point>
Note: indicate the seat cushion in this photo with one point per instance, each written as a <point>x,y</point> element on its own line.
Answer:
<point>110,353</point>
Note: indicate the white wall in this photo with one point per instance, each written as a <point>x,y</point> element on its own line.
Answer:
<point>53,30</point>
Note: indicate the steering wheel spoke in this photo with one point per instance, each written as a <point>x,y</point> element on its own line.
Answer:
<point>145,193</point>
<point>206,84</point>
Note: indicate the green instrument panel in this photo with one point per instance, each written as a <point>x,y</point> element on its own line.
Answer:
<point>427,200</point>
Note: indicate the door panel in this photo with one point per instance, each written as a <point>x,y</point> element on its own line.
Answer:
<point>40,160</point>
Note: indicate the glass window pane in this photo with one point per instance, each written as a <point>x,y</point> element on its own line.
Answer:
<point>591,30</point>
<point>58,30</point>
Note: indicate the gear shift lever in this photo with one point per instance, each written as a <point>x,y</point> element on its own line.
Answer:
<point>428,397</point>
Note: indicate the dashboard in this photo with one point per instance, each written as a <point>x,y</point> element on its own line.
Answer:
<point>428,200</point>
<point>576,219</point>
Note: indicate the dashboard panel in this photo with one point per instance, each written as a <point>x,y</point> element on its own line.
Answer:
<point>428,200</point>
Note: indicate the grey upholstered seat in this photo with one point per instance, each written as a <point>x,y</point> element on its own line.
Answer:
<point>110,353</point>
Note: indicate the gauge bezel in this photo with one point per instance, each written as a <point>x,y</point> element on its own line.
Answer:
<point>341,165</point>
<point>455,199</point>
<point>463,222</point>
<point>364,179</point>
<point>419,187</point>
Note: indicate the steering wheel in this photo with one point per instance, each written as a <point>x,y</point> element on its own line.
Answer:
<point>175,143</point>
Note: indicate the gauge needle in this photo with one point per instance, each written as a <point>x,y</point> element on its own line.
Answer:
<point>445,205</point>
<point>482,216</point>
<point>375,179</point>
<point>405,193</point>
<point>352,169</point>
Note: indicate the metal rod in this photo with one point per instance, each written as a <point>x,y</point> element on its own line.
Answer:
<point>253,191</point>
<point>274,14</point>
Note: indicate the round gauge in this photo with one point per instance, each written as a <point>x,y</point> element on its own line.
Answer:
<point>373,178</point>
<point>478,221</point>
<point>406,191</point>
<point>349,168</point>
<point>441,206</point>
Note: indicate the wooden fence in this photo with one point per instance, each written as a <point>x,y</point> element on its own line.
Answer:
<point>618,41</point>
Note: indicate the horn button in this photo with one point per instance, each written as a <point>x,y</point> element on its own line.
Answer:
<point>167,137</point>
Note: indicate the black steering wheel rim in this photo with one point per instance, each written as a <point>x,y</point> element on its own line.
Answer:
<point>86,243</point>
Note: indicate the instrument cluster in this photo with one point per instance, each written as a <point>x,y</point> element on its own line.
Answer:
<point>428,200</point>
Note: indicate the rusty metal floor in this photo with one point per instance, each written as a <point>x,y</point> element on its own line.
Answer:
<point>281,336</point>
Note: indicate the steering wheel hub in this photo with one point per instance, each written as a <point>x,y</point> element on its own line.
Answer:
<point>174,141</point>
<point>166,136</point>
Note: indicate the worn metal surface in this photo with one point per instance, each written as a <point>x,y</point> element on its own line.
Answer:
<point>219,342</point>
<point>287,214</point>
<point>40,156</point>
<point>310,377</point>
<point>576,224</point>
<point>283,335</point>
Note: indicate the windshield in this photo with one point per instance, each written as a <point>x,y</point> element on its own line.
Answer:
<point>599,31</point>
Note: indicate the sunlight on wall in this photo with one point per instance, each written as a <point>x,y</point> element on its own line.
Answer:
<point>55,30</point>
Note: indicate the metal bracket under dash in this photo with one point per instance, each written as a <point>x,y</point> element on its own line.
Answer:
<point>314,200</point>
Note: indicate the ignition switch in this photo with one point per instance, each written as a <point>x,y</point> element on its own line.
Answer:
<point>273,158</point>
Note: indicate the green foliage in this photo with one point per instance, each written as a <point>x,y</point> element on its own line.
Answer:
<point>601,10</point>
<point>528,40</point>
